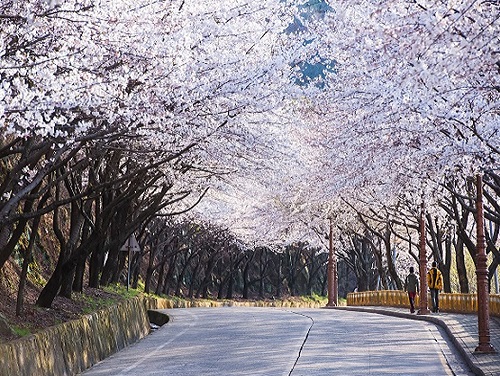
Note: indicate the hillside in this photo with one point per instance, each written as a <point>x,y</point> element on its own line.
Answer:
<point>33,318</point>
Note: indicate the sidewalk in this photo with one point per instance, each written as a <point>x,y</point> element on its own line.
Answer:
<point>462,330</point>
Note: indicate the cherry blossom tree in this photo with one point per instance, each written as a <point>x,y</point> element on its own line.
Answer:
<point>413,100</point>
<point>290,112</point>
<point>170,90</point>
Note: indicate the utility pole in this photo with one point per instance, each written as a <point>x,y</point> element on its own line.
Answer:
<point>332,271</point>
<point>483,297</point>
<point>423,310</point>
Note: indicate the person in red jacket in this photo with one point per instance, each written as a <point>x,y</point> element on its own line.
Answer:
<point>435,283</point>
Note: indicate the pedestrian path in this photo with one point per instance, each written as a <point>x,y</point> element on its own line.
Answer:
<point>462,329</point>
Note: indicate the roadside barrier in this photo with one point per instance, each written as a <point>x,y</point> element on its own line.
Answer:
<point>459,303</point>
<point>71,347</point>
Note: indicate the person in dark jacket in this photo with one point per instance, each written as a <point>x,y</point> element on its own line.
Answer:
<point>435,283</point>
<point>411,286</point>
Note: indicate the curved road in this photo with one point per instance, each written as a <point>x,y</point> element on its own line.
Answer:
<point>289,342</point>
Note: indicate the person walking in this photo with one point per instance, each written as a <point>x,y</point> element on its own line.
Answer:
<point>411,286</point>
<point>435,283</point>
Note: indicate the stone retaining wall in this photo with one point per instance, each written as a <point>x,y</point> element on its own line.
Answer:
<point>72,347</point>
<point>161,303</point>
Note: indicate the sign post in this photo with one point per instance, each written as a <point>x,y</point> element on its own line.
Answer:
<point>131,245</point>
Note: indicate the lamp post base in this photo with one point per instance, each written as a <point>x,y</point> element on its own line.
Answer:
<point>423,311</point>
<point>485,348</point>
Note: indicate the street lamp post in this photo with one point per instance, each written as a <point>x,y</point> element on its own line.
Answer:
<point>483,306</point>
<point>332,270</point>
<point>423,310</point>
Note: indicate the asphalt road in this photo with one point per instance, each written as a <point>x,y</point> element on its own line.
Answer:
<point>289,342</point>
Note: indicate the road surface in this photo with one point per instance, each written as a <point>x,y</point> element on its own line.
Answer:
<point>289,342</point>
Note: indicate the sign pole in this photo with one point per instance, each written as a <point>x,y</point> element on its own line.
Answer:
<point>129,253</point>
<point>130,246</point>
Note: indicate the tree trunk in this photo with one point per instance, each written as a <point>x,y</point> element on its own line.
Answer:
<point>79,275</point>
<point>245,280</point>
<point>263,265</point>
<point>8,245</point>
<point>180,278</point>
<point>203,288</point>
<point>194,276</point>
<point>86,230</point>
<point>111,267</point>
<point>162,276</point>
<point>67,284</point>
<point>136,269</point>
<point>380,267</point>
<point>169,275</point>
<point>95,265</point>
<point>279,279</point>
<point>28,256</point>
<point>445,267</point>
<point>390,261</point>
<point>53,285</point>
<point>230,286</point>
<point>51,289</point>
<point>148,277</point>
<point>461,269</point>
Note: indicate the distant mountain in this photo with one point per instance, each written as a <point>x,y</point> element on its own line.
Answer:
<point>316,67</point>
